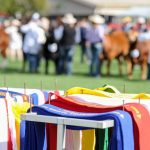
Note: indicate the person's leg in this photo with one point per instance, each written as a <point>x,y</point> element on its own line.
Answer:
<point>148,74</point>
<point>97,61</point>
<point>25,59</point>
<point>82,46</point>
<point>46,65</point>
<point>88,55</point>
<point>92,51</point>
<point>61,63</point>
<point>37,62</point>
<point>32,63</point>
<point>19,54</point>
<point>69,59</point>
<point>56,62</point>
<point>95,64</point>
<point>29,59</point>
<point>12,54</point>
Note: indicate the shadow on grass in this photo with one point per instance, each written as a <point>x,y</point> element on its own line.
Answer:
<point>13,70</point>
<point>114,76</point>
<point>10,70</point>
<point>136,80</point>
<point>81,74</point>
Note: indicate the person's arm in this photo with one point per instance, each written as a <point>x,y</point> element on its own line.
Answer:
<point>58,33</point>
<point>87,37</point>
<point>41,36</point>
<point>101,33</point>
<point>25,28</point>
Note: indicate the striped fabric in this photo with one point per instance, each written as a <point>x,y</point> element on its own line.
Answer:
<point>122,137</point>
<point>139,113</point>
<point>5,142</point>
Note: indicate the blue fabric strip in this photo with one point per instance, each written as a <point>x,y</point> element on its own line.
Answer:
<point>122,136</point>
<point>35,99</point>
<point>12,93</point>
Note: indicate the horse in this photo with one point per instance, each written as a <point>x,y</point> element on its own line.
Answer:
<point>116,45</point>
<point>139,55</point>
<point>119,44</point>
<point>4,42</point>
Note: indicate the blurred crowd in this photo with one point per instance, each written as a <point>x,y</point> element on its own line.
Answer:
<point>56,40</point>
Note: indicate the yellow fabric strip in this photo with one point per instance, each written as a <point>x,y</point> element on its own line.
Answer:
<point>88,139</point>
<point>19,109</point>
<point>102,93</point>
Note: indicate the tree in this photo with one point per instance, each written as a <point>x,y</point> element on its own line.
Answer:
<point>22,6</point>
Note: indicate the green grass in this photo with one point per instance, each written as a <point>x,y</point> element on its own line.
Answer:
<point>15,78</point>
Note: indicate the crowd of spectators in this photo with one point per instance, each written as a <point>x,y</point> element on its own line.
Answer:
<point>56,40</point>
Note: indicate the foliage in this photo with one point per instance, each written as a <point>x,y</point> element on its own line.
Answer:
<point>22,6</point>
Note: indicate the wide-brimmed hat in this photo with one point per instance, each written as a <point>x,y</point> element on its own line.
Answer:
<point>35,16</point>
<point>69,19</point>
<point>126,19</point>
<point>141,20</point>
<point>97,19</point>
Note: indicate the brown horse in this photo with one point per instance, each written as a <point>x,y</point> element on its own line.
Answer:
<point>119,44</point>
<point>116,45</point>
<point>4,42</point>
<point>143,48</point>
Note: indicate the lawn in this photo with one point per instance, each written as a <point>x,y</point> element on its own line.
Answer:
<point>13,77</point>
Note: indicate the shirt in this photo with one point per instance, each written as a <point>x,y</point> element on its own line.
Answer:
<point>68,37</point>
<point>15,38</point>
<point>34,38</point>
<point>95,35</point>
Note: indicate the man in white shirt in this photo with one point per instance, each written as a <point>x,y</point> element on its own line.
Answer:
<point>34,38</point>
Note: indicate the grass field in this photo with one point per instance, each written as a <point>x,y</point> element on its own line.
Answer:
<point>13,77</point>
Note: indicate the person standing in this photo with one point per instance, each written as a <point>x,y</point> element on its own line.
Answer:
<point>67,44</point>
<point>94,39</point>
<point>148,66</point>
<point>15,45</point>
<point>141,25</point>
<point>126,23</point>
<point>33,40</point>
<point>50,49</point>
<point>58,33</point>
<point>83,29</point>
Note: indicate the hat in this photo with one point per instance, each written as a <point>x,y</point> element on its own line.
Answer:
<point>69,19</point>
<point>36,16</point>
<point>126,19</point>
<point>141,20</point>
<point>97,19</point>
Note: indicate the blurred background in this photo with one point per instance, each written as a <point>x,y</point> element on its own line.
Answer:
<point>52,8</point>
<point>69,42</point>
